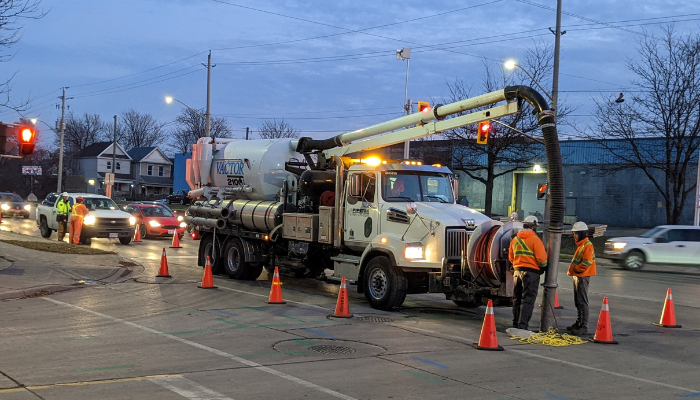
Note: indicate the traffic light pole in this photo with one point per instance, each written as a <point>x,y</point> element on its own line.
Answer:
<point>60,148</point>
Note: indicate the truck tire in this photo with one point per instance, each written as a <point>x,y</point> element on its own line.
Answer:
<point>205,247</point>
<point>634,261</point>
<point>125,240</point>
<point>385,284</point>
<point>85,240</point>
<point>234,259</point>
<point>44,229</point>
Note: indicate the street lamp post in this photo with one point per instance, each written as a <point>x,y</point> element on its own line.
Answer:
<point>170,99</point>
<point>405,54</point>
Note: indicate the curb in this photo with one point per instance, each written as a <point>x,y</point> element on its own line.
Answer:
<point>51,289</point>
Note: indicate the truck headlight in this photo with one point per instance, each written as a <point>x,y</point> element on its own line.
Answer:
<point>89,220</point>
<point>183,225</point>
<point>619,245</point>
<point>27,207</point>
<point>413,252</point>
<point>132,221</point>
<point>179,218</point>
<point>154,224</point>
<point>5,207</point>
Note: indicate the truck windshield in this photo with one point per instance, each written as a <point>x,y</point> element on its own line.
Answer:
<point>100,204</point>
<point>406,187</point>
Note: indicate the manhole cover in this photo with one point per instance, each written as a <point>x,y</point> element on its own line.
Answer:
<point>375,319</point>
<point>331,349</point>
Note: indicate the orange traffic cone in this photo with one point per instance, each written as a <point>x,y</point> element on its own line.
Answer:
<point>207,279</point>
<point>342,308</point>
<point>556,300</point>
<point>276,289</point>
<point>137,234</point>
<point>163,271</point>
<point>176,241</point>
<point>668,316</point>
<point>488,340</point>
<point>603,332</point>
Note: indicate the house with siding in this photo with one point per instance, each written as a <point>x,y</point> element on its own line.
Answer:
<point>151,172</point>
<point>96,160</point>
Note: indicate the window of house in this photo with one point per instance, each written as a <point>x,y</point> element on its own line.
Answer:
<point>160,170</point>
<point>109,165</point>
<point>119,166</point>
<point>150,170</point>
<point>156,190</point>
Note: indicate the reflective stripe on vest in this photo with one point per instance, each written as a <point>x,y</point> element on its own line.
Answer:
<point>579,254</point>
<point>521,248</point>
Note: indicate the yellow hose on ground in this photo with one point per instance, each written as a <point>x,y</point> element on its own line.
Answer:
<point>550,338</point>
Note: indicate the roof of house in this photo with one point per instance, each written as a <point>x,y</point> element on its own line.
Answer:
<point>156,180</point>
<point>138,153</point>
<point>96,149</point>
<point>117,176</point>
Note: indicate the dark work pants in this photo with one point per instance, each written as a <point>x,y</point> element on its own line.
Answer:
<point>525,285</point>
<point>581,300</point>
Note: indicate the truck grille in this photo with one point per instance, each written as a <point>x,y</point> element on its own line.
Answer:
<point>455,241</point>
<point>112,222</point>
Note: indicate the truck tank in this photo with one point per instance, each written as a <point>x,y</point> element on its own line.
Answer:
<point>258,164</point>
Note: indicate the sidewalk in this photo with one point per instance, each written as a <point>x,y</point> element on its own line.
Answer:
<point>25,272</point>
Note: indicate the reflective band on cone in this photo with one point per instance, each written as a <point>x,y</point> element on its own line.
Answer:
<point>276,289</point>
<point>488,340</point>
<point>163,271</point>
<point>176,241</point>
<point>342,307</point>
<point>603,332</point>
<point>668,315</point>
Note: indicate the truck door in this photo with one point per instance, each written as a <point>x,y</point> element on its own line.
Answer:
<point>361,212</point>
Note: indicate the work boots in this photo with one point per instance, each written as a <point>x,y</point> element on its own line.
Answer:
<point>580,331</point>
<point>573,327</point>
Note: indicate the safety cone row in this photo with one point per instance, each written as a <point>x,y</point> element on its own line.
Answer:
<point>488,340</point>
<point>603,332</point>
<point>342,307</point>
<point>668,315</point>
<point>137,234</point>
<point>276,289</point>
<point>163,271</point>
<point>176,241</point>
<point>207,278</point>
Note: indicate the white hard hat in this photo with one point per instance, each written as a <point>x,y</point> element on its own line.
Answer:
<point>64,194</point>
<point>531,219</point>
<point>579,226</point>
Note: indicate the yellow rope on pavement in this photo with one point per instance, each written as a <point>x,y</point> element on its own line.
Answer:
<point>551,338</point>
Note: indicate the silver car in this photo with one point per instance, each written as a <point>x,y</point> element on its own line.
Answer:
<point>664,244</point>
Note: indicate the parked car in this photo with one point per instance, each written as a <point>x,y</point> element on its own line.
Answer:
<point>105,219</point>
<point>156,220</point>
<point>178,197</point>
<point>12,204</point>
<point>665,244</point>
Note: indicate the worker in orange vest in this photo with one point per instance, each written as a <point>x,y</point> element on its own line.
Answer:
<point>582,267</point>
<point>529,259</point>
<point>78,212</point>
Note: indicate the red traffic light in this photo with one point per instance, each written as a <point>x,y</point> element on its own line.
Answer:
<point>482,132</point>
<point>423,106</point>
<point>541,190</point>
<point>27,138</point>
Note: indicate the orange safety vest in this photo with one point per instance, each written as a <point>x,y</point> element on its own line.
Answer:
<point>583,264</point>
<point>79,210</point>
<point>527,251</point>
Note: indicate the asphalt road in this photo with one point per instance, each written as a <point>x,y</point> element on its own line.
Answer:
<point>158,338</point>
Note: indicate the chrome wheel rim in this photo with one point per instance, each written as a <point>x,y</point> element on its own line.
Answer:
<point>634,261</point>
<point>233,262</point>
<point>378,284</point>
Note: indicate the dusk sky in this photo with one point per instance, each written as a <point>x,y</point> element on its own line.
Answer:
<point>323,66</point>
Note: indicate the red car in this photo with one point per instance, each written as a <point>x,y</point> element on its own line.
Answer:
<point>155,220</point>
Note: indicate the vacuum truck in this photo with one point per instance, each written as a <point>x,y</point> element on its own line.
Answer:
<point>390,227</point>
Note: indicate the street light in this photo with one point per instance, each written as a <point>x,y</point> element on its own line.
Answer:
<point>405,54</point>
<point>511,65</point>
<point>170,99</point>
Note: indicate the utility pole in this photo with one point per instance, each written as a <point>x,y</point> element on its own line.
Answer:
<point>60,149</point>
<point>247,131</point>
<point>405,54</point>
<point>114,158</point>
<point>208,115</point>
<point>553,247</point>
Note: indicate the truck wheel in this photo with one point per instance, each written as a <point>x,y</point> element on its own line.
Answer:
<point>85,240</point>
<point>634,261</point>
<point>234,259</point>
<point>125,240</point>
<point>206,248</point>
<point>385,284</point>
<point>467,304</point>
<point>44,228</point>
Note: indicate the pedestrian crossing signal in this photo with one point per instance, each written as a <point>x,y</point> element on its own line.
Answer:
<point>482,132</point>
<point>27,138</point>
<point>541,190</point>
<point>423,106</point>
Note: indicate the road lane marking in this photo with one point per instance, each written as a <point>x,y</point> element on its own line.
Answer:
<point>264,295</point>
<point>224,312</point>
<point>241,360</point>
<point>430,362</point>
<point>319,333</point>
<point>189,389</point>
<point>86,383</point>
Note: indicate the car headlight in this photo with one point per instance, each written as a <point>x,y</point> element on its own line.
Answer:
<point>619,245</point>
<point>5,207</point>
<point>179,218</point>
<point>154,224</point>
<point>413,252</point>
<point>183,225</point>
<point>27,207</point>
<point>89,220</point>
<point>132,221</point>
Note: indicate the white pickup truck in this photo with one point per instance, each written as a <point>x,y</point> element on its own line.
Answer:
<point>105,219</point>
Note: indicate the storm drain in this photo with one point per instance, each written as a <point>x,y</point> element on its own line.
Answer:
<point>331,350</point>
<point>376,319</point>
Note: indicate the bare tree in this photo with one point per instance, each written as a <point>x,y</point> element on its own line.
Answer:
<point>81,132</point>
<point>506,147</point>
<point>12,11</point>
<point>276,129</point>
<point>191,125</point>
<point>665,106</point>
<point>139,130</point>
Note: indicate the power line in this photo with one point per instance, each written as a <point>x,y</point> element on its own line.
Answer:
<point>131,85</point>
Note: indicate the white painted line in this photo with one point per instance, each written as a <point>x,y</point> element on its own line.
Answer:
<point>264,295</point>
<point>186,388</point>
<point>253,364</point>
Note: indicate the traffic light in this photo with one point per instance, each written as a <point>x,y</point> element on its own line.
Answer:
<point>483,131</point>
<point>423,106</point>
<point>541,190</point>
<point>27,137</point>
